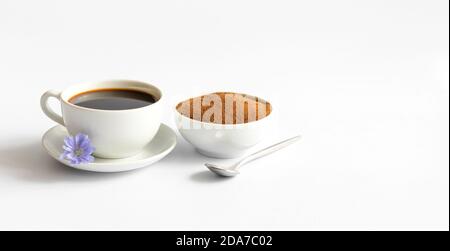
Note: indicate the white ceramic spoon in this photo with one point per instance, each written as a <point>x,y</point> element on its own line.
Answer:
<point>233,170</point>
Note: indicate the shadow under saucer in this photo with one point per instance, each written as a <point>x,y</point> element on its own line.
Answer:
<point>28,161</point>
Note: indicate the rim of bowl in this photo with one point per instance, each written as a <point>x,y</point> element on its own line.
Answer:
<point>227,125</point>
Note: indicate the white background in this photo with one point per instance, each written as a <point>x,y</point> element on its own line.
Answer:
<point>365,82</point>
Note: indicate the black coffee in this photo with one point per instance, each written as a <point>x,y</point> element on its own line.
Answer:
<point>113,99</point>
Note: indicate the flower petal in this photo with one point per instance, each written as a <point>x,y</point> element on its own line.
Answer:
<point>79,138</point>
<point>86,159</point>
<point>88,150</point>
<point>64,155</point>
<point>85,143</point>
<point>75,161</point>
<point>69,142</point>
<point>67,148</point>
<point>70,156</point>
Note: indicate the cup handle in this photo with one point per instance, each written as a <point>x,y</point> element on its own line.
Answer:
<point>47,109</point>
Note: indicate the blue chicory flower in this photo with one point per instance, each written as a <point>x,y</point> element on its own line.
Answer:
<point>78,149</point>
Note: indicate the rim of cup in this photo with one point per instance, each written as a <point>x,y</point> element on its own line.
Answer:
<point>64,97</point>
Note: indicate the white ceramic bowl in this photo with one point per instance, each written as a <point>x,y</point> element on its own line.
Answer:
<point>222,141</point>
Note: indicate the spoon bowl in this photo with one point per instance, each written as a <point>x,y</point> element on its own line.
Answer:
<point>226,172</point>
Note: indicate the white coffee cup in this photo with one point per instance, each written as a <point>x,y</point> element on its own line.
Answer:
<point>113,133</point>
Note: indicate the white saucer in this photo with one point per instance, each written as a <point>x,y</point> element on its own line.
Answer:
<point>163,143</point>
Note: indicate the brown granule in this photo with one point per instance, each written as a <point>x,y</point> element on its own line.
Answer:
<point>225,108</point>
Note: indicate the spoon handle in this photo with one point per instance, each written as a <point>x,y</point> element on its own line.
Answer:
<point>269,150</point>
